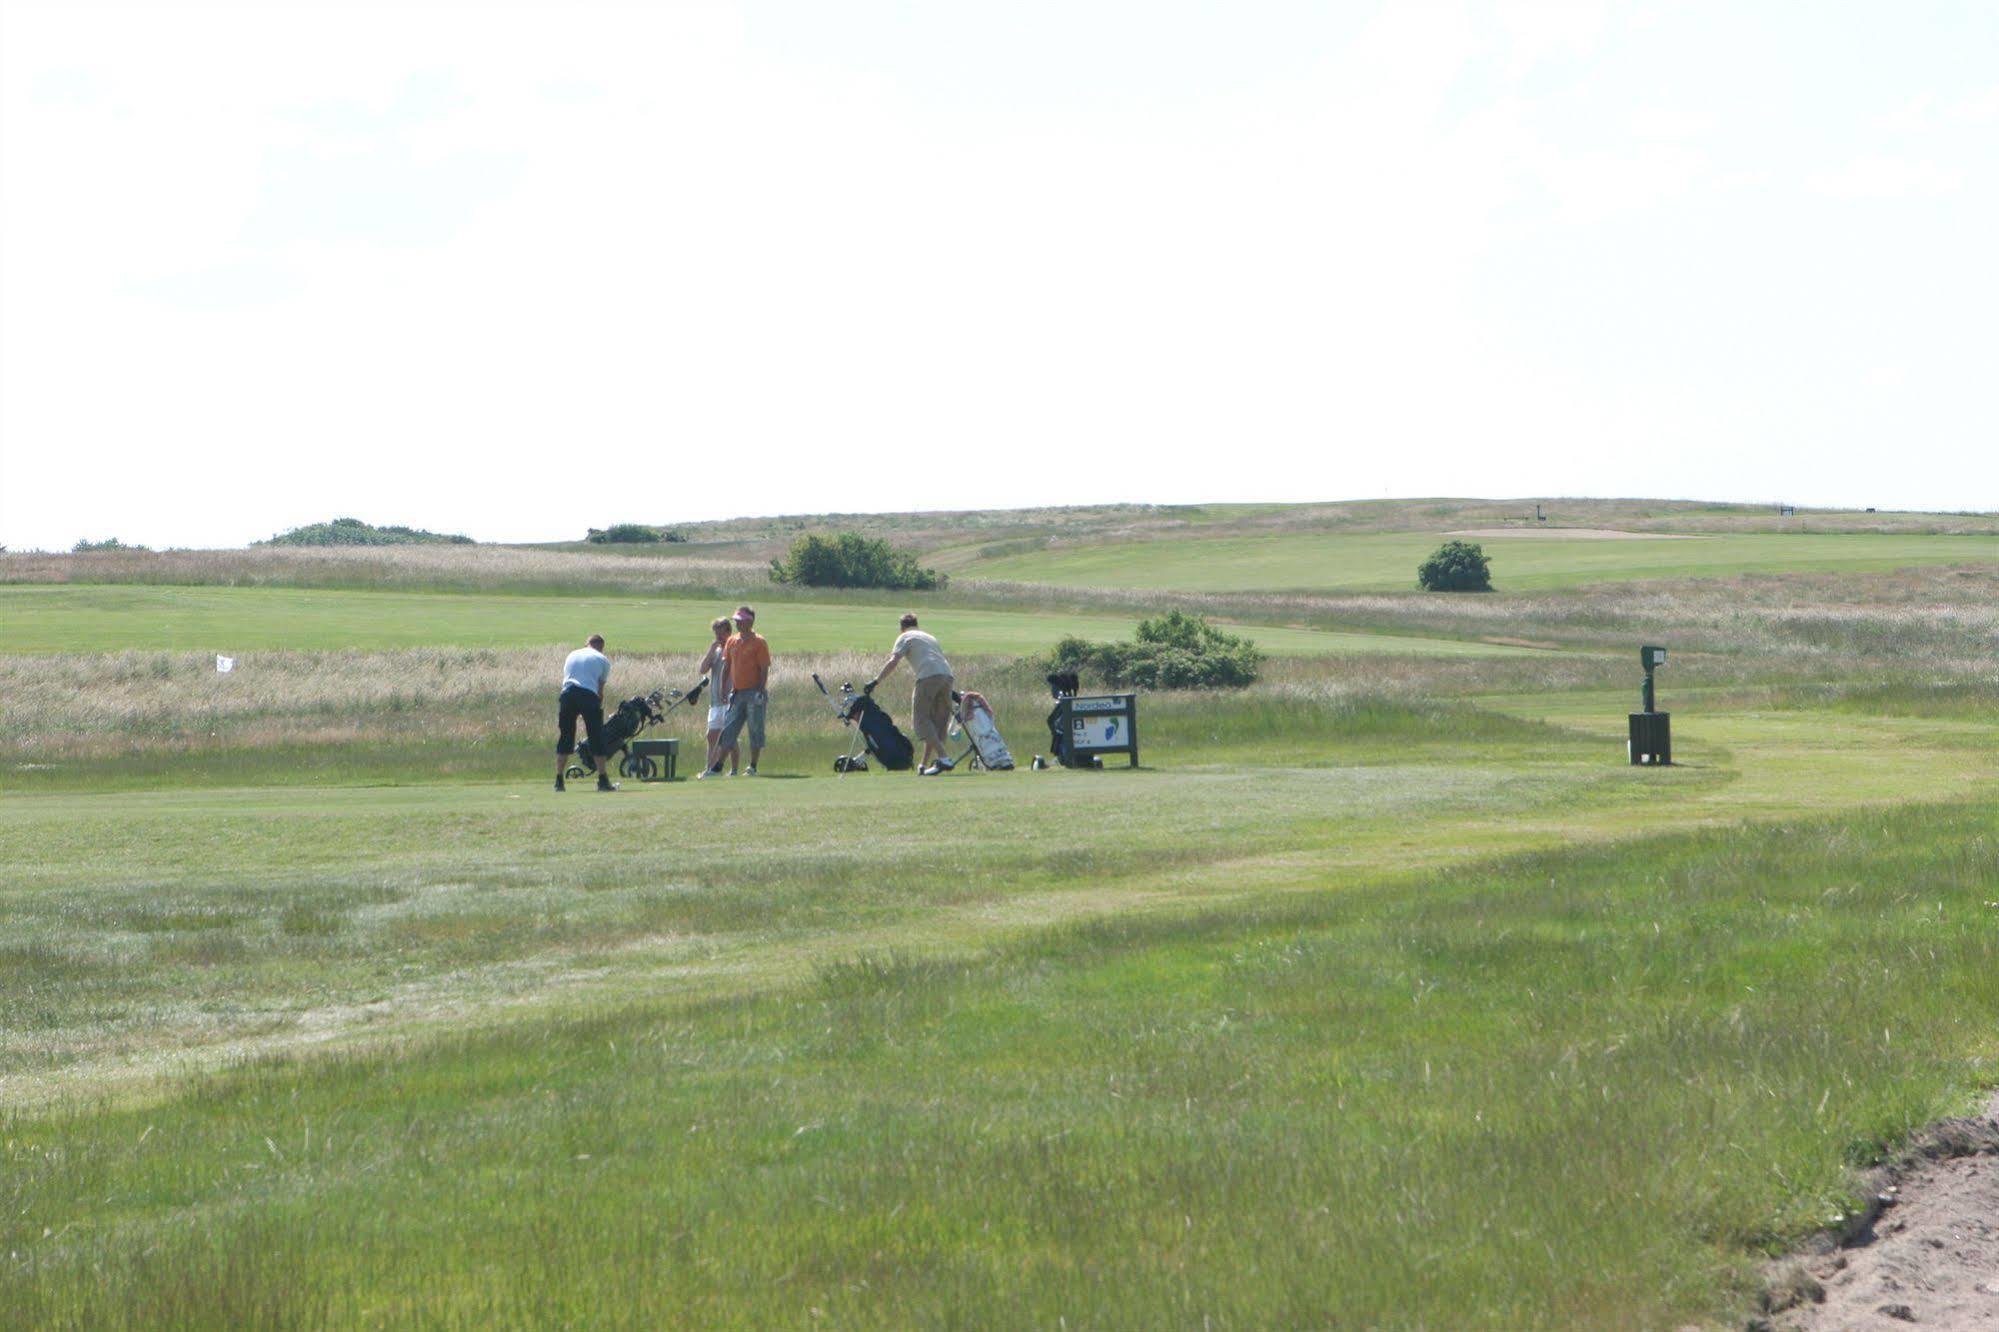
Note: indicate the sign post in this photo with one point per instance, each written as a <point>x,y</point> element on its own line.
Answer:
<point>1085,727</point>
<point>1651,730</point>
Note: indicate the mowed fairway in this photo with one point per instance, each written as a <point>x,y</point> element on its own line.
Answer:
<point>95,618</point>
<point>1321,561</point>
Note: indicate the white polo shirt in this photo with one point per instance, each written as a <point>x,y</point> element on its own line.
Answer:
<point>925,656</point>
<point>588,667</point>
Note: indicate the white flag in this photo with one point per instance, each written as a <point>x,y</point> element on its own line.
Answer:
<point>225,664</point>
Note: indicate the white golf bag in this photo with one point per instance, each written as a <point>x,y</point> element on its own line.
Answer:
<point>975,716</point>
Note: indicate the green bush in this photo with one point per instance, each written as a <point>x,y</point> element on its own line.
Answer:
<point>850,560</point>
<point>1456,566</point>
<point>109,543</point>
<point>631,534</point>
<point>1172,651</point>
<point>354,532</point>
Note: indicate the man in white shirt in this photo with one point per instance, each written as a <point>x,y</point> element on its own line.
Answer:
<point>585,672</point>
<point>930,705</point>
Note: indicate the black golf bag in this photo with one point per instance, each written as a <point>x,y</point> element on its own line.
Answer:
<point>877,730</point>
<point>1062,685</point>
<point>632,716</point>
<point>884,739</point>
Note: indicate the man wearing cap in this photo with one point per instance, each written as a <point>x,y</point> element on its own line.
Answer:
<point>930,705</point>
<point>584,674</point>
<point>746,658</point>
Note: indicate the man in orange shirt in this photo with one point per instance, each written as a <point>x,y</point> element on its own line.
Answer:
<point>747,659</point>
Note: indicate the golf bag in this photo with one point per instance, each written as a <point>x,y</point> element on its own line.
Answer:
<point>975,715</point>
<point>632,716</point>
<point>875,729</point>
<point>1064,684</point>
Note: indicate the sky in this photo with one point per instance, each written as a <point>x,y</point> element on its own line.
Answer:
<point>520,269</point>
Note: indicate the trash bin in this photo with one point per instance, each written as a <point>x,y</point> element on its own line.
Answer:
<point>1651,738</point>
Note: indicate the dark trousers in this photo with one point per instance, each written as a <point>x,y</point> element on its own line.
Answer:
<point>576,701</point>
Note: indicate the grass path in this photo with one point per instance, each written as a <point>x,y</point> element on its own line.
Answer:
<point>237,620</point>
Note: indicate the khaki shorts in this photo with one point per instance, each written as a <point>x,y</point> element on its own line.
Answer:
<point>930,708</point>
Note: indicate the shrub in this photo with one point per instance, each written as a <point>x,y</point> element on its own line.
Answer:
<point>1172,651</point>
<point>109,543</point>
<point>631,533</point>
<point>1456,566</point>
<point>850,560</point>
<point>354,532</point>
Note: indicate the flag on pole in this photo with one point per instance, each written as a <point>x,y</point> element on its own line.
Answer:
<point>225,664</point>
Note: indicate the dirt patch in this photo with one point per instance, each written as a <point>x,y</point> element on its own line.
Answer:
<point>1572,534</point>
<point>1923,1253</point>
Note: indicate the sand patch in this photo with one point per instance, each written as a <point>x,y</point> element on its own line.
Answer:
<point>1924,1252</point>
<point>1571,534</point>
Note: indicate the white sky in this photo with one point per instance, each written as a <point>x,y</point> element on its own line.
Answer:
<point>520,269</point>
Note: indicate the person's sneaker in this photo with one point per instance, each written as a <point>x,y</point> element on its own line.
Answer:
<point>559,786</point>
<point>750,771</point>
<point>606,784</point>
<point>706,772</point>
<point>927,770</point>
<point>943,765</point>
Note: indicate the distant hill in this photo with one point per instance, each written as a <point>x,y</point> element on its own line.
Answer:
<point>955,541</point>
<point>354,532</point>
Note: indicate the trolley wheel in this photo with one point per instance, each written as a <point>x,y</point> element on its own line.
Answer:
<point>575,770</point>
<point>628,766</point>
<point>648,771</point>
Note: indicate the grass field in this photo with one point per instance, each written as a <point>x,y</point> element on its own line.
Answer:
<point>98,618</point>
<point>1384,994</point>
<point>1220,1039</point>
<point>1318,561</point>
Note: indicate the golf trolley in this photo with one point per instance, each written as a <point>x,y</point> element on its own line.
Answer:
<point>622,729</point>
<point>874,731</point>
<point>973,718</point>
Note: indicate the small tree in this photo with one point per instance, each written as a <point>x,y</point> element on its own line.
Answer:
<point>1456,566</point>
<point>84,547</point>
<point>851,560</point>
<point>1173,651</point>
<point>630,533</point>
<point>354,532</point>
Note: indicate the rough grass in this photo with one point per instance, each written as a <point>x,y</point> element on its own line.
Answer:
<point>1575,1089</point>
<point>135,720</point>
<point>1943,618</point>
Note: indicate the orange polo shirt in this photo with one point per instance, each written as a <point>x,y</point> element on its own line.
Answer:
<point>748,656</point>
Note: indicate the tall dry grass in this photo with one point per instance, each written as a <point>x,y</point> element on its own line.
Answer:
<point>93,705</point>
<point>417,568</point>
<point>103,705</point>
<point>1945,617</point>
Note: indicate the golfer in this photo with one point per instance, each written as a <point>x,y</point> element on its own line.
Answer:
<point>585,672</point>
<point>718,694</point>
<point>930,705</point>
<point>747,657</point>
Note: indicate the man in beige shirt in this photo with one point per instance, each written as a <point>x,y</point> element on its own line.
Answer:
<point>930,705</point>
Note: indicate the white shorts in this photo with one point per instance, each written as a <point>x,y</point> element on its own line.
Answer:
<point>717,714</point>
